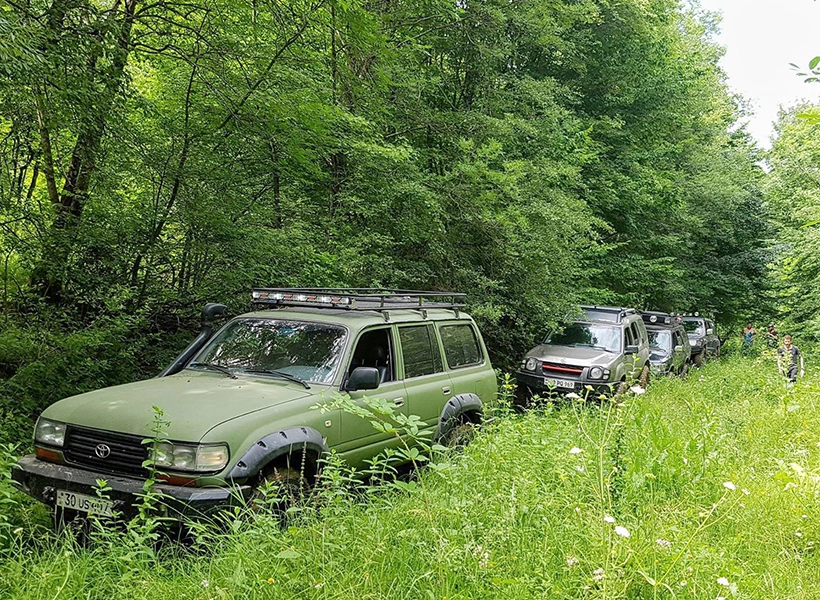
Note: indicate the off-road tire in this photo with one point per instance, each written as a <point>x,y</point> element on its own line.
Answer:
<point>621,388</point>
<point>697,359</point>
<point>460,433</point>
<point>289,486</point>
<point>644,378</point>
<point>683,372</point>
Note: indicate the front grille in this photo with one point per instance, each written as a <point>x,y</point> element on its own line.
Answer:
<point>563,370</point>
<point>127,452</point>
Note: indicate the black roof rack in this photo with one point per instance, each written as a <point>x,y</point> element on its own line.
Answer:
<point>378,299</point>
<point>607,313</point>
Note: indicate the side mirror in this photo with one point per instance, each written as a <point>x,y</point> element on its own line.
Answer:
<point>710,331</point>
<point>678,348</point>
<point>363,378</point>
<point>631,350</point>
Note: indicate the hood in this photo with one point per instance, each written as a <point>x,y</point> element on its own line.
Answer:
<point>192,402</point>
<point>573,355</point>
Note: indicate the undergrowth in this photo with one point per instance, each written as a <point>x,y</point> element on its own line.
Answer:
<point>703,488</point>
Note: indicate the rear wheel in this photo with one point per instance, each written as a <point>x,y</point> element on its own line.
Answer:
<point>698,359</point>
<point>460,433</point>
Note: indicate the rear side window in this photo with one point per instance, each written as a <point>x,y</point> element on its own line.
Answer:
<point>460,345</point>
<point>420,351</point>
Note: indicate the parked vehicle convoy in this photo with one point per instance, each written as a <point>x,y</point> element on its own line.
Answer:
<point>606,349</point>
<point>702,338</point>
<point>241,404</point>
<point>669,350</point>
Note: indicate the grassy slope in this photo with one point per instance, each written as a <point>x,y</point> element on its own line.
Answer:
<point>520,516</point>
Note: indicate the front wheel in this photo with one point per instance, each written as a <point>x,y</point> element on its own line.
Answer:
<point>459,434</point>
<point>698,359</point>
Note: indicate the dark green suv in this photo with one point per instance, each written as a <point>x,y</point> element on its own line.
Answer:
<point>241,402</point>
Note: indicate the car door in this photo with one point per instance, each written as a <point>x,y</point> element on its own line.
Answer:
<point>427,385</point>
<point>375,347</point>
<point>464,357</point>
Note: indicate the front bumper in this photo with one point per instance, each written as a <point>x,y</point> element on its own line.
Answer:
<point>538,384</point>
<point>41,480</point>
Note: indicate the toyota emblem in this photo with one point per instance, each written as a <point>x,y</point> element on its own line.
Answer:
<point>102,451</point>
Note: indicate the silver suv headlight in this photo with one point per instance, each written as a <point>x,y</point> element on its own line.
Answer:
<point>599,373</point>
<point>49,432</point>
<point>190,457</point>
<point>531,364</point>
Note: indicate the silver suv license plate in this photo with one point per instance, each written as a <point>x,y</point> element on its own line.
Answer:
<point>84,503</point>
<point>561,383</point>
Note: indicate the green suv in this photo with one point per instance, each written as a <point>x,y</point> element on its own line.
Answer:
<point>606,350</point>
<point>241,404</point>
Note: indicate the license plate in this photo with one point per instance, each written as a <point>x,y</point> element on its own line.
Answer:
<point>85,503</point>
<point>560,383</point>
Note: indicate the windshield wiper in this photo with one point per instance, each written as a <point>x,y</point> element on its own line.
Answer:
<point>214,367</point>
<point>281,374</point>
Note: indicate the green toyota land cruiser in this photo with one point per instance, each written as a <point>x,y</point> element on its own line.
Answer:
<point>607,349</point>
<point>241,402</point>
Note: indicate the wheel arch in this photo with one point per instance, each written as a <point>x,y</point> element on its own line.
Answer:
<point>468,405</point>
<point>305,442</point>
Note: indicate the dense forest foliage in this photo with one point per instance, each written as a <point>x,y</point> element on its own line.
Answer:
<point>155,155</point>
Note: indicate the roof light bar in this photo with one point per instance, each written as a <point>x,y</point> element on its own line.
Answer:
<point>378,299</point>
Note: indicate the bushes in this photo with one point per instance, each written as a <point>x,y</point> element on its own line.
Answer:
<point>44,363</point>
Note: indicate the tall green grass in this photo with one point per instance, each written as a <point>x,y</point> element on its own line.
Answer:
<point>703,488</point>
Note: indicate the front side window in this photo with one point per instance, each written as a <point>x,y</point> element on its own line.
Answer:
<point>420,351</point>
<point>460,345</point>
<point>592,335</point>
<point>309,351</point>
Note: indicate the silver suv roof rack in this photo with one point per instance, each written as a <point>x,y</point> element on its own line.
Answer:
<point>607,313</point>
<point>378,299</point>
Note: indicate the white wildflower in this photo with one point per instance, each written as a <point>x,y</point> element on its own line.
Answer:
<point>729,485</point>
<point>205,583</point>
<point>598,574</point>
<point>637,390</point>
<point>622,531</point>
<point>571,561</point>
<point>663,543</point>
<point>573,396</point>
<point>798,534</point>
<point>575,450</point>
<point>609,519</point>
<point>723,581</point>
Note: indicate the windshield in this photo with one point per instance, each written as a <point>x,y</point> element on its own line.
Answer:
<point>695,327</point>
<point>588,334</point>
<point>660,343</point>
<point>309,351</point>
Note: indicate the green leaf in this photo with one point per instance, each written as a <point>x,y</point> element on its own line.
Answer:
<point>288,554</point>
<point>814,62</point>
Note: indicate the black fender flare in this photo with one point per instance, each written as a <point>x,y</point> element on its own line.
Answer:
<point>455,407</point>
<point>276,445</point>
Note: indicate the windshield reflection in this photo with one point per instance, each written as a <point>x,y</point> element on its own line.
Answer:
<point>309,351</point>
<point>588,335</point>
<point>660,344</point>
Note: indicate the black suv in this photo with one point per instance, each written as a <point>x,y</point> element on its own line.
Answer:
<point>668,345</point>
<point>702,338</point>
<point>607,349</point>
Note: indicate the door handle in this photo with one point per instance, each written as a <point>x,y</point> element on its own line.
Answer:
<point>398,402</point>
<point>445,389</point>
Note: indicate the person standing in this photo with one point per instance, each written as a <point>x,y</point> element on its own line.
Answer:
<point>748,338</point>
<point>771,336</point>
<point>792,354</point>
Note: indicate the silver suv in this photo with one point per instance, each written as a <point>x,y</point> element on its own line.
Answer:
<point>606,349</point>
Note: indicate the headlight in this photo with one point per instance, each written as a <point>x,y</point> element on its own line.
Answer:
<point>531,364</point>
<point>189,457</point>
<point>49,432</point>
<point>596,373</point>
